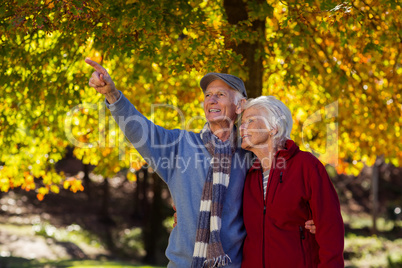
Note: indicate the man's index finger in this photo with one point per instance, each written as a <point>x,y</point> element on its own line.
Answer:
<point>96,66</point>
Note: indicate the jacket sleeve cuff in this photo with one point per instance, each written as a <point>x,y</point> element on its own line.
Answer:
<point>118,105</point>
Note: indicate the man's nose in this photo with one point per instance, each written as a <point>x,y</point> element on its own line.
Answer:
<point>213,99</point>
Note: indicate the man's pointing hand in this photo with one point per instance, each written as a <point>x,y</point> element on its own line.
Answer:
<point>102,82</point>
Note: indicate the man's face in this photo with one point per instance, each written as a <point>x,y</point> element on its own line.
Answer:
<point>254,129</point>
<point>219,106</point>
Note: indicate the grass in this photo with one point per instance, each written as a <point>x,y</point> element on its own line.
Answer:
<point>72,233</point>
<point>23,263</point>
<point>358,221</point>
<point>17,229</point>
<point>360,250</point>
<point>372,251</point>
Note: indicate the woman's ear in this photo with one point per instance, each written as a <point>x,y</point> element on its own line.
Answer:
<point>240,106</point>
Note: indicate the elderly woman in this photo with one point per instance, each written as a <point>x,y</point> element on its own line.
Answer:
<point>284,188</point>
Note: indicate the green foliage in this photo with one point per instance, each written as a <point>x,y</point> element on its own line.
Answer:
<point>395,262</point>
<point>372,251</point>
<point>130,242</point>
<point>72,233</point>
<point>361,222</point>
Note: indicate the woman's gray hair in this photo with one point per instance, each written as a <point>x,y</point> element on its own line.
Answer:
<point>277,116</point>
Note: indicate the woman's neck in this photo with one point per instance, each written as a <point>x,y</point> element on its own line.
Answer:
<point>266,155</point>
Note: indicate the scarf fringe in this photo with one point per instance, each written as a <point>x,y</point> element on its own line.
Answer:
<point>219,261</point>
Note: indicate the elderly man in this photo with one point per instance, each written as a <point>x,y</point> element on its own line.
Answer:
<point>207,194</point>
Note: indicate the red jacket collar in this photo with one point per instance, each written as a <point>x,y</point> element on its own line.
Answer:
<point>290,150</point>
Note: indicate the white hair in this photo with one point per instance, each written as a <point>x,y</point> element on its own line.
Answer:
<point>278,117</point>
<point>237,97</point>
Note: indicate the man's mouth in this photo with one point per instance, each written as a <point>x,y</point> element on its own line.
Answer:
<point>214,110</point>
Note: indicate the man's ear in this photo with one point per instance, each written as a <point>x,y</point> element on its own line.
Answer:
<point>240,105</point>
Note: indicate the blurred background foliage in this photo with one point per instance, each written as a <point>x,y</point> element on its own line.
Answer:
<point>337,65</point>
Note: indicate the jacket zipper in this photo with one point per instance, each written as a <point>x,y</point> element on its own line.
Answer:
<point>271,173</point>
<point>276,187</point>
<point>302,237</point>
<point>263,239</point>
<point>263,219</point>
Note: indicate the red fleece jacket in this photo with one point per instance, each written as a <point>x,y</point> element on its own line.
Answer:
<point>298,189</point>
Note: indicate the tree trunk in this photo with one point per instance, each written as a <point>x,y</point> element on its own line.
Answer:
<point>153,228</point>
<point>374,188</point>
<point>236,11</point>
<point>105,218</point>
<point>105,198</point>
<point>104,212</point>
<point>87,182</point>
<point>139,202</point>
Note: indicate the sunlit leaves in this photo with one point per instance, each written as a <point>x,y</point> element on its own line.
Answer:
<point>73,184</point>
<point>349,53</point>
<point>315,54</point>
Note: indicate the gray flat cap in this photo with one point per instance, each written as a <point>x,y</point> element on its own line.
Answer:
<point>231,80</point>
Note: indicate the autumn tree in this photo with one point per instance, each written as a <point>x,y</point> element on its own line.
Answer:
<point>336,65</point>
<point>348,54</point>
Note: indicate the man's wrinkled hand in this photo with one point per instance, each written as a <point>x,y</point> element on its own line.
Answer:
<point>174,216</point>
<point>102,82</point>
<point>309,225</point>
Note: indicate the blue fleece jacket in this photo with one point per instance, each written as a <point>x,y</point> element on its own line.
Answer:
<point>181,160</point>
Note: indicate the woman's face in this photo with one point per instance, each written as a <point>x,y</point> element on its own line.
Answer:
<point>254,129</point>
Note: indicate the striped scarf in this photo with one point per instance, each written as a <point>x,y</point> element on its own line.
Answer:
<point>208,251</point>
